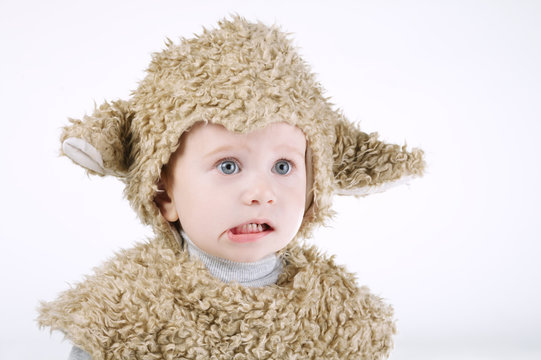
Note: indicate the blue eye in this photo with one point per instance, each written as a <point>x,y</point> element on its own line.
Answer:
<point>228,167</point>
<point>282,167</point>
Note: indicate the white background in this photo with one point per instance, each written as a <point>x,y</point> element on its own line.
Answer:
<point>456,252</point>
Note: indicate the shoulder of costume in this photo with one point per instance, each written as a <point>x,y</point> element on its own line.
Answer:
<point>150,288</point>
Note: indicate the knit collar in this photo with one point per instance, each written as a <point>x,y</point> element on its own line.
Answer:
<point>250,274</point>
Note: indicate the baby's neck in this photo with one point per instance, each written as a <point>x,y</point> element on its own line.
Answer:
<point>261,273</point>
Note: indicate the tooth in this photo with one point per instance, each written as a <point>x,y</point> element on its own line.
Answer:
<point>250,228</point>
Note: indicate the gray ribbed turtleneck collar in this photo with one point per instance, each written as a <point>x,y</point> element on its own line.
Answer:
<point>261,273</point>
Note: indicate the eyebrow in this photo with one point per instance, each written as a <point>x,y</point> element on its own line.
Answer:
<point>225,148</point>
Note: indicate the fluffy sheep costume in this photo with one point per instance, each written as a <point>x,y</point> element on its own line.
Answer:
<point>155,302</point>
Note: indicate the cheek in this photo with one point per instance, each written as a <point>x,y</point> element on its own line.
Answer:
<point>295,197</point>
<point>198,200</point>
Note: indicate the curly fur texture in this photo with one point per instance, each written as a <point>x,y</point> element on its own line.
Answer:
<point>361,160</point>
<point>108,129</point>
<point>243,76</point>
<point>152,303</point>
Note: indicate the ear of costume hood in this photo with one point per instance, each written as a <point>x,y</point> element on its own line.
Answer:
<point>100,142</point>
<point>363,165</point>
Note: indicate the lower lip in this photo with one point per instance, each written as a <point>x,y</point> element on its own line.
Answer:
<point>246,238</point>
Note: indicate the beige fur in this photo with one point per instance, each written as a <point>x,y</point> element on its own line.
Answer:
<point>151,302</point>
<point>243,76</point>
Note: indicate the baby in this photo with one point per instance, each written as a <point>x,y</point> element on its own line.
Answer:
<point>239,197</point>
<point>231,153</point>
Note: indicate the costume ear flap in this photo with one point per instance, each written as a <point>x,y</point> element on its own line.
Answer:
<point>100,142</point>
<point>364,165</point>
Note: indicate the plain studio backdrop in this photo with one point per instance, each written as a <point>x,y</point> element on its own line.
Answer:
<point>456,252</point>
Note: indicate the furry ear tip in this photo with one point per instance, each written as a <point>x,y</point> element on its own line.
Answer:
<point>418,165</point>
<point>364,165</point>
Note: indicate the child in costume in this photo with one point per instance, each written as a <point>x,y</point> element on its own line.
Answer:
<point>229,150</point>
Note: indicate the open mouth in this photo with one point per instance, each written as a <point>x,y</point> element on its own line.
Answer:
<point>250,228</point>
<point>251,231</point>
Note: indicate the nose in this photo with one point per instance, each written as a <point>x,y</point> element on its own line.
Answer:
<point>258,191</point>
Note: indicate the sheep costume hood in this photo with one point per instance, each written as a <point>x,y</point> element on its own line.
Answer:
<point>153,301</point>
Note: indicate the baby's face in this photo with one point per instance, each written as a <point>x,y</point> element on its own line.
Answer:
<point>239,196</point>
